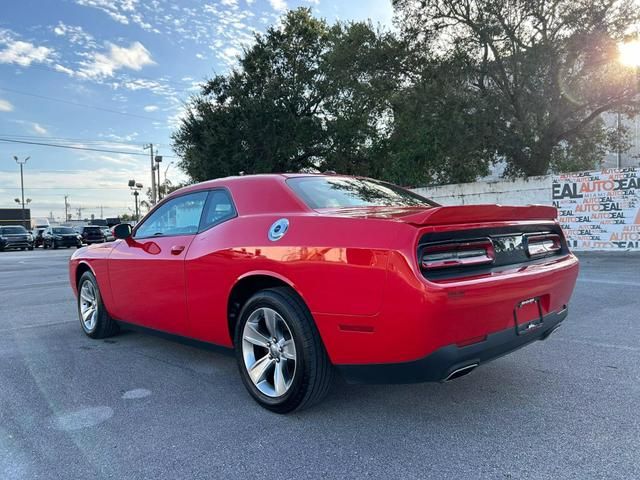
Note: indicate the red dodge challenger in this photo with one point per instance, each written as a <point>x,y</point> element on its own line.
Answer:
<point>304,275</point>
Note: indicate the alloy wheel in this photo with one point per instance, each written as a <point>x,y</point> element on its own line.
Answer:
<point>88,305</point>
<point>269,352</point>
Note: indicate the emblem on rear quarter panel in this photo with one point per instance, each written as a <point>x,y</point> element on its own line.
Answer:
<point>278,229</point>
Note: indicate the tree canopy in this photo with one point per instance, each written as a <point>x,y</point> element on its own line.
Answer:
<point>463,84</point>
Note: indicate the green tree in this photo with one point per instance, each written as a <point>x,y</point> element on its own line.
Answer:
<point>309,96</point>
<point>265,115</point>
<point>547,69</point>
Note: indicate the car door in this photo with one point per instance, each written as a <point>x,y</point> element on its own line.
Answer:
<point>146,271</point>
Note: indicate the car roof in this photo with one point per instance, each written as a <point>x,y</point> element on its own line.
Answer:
<point>256,194</point>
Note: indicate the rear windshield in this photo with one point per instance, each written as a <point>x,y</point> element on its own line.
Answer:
<point>93,229</point>
<point>344,192</point>
<point>62,230</point>
<point>12,230</point>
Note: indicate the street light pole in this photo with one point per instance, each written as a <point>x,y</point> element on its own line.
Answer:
<point>135,191</point>
<point>153,176</point>
<point>158,161</point>
<point>21,163</point>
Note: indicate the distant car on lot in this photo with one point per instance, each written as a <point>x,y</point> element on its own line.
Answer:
<point>108,235</point>
<point>92,234</point>
<point>56,237</point>
<point>14,237</point>
<point>304,275</point>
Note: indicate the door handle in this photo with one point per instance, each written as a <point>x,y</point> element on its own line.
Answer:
<point>177,249</point>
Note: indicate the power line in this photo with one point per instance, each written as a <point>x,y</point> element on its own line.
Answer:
<point>70,140</point>
<point>72,147</point>
<point>66,188</point>
<point>78,104</point>
<point>85,141</point>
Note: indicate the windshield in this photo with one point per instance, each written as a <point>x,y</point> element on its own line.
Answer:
<point>344,192</point>
<point>12,230</point>
<point>63,230</point>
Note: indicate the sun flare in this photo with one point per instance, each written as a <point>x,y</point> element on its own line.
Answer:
<point>630,53</point>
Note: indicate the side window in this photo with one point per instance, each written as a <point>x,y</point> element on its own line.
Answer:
<point>218,209</point>
<point>179,216</point>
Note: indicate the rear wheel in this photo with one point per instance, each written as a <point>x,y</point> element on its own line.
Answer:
<point>55,245</point>
<point>30,248</point>
<point>94,319</point>
<point>281,358</point>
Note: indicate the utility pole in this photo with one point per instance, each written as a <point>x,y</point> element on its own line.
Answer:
<point>101,212</point>
<point>79,210</point>
<point>618,153</point>
<point>153,177</point>
<point>66,208</point>
<point>21,163</point>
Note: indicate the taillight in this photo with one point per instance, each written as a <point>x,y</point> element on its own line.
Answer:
<point>458,254</point>
<point>543,244</point>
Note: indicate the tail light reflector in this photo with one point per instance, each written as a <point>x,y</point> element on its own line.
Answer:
<point>458,254</point>
<point>545,244</point>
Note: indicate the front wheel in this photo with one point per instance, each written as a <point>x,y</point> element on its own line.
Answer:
<point>55,246</point>
<point>282,361</point>
<point>94,319</point>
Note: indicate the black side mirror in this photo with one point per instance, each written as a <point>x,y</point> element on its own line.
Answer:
<point>122,230</point>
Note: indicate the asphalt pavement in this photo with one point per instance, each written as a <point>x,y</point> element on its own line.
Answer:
<point>140,406</point>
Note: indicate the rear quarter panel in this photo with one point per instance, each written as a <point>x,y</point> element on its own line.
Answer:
<point>338,266</point>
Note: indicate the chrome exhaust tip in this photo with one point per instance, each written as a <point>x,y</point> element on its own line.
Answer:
<point>461,372</point>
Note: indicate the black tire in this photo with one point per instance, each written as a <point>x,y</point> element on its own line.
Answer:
<point>104,326</point>
<point>44,246</point>
<point>23,248</point>
<point>78,246</point>
<point>55,245</point>
<point>313,370</point>
<point>30,248</point>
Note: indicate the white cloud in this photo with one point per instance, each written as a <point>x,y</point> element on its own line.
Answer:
<point>150,108</point>
<point>278,5</point>
<point>24,53</point>
<point>114,8</point>
<point>61,68</point>
<point>229,55</point>
<point>75,35</point>
<point>39,129</point>
<point>104,65</point>
<point>229,3</point>
<point>5,106</point>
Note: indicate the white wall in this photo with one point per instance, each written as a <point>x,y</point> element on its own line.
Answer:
<point>598,210</point>
<point>506,192</point>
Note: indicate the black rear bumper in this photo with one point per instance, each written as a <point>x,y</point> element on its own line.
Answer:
<point>443,362</point>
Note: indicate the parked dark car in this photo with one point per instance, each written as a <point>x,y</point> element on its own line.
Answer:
<point>108,234</point>
<point>56,237</point>
<point>15,236</point>
<point>92,234</point>
<point>37,237</point>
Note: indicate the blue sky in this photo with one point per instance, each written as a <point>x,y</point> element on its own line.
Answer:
<point>114,75</point>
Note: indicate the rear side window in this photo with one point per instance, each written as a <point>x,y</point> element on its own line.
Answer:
<point>347,192</point>
<point>219,208</point>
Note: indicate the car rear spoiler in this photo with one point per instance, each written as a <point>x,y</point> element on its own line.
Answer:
<point>480,213</point>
